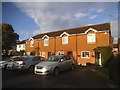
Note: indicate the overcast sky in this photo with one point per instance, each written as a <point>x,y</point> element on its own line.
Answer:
<point>31,18</point>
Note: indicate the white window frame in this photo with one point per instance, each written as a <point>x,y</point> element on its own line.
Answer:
<point>46,42</point>
<point>85,55</point>
<point>23,46</point>
<point>42,54</point>
<point>61,53</point>
<point>32,43</point>
<point>91,38</point>
<point>65,40</point>
<point>28,53</point>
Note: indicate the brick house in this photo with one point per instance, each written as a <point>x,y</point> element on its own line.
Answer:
<point>119,44</point>
<point>78,42</point>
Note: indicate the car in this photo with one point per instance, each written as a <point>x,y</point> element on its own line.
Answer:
<point>27,63</point>
<point>54,65</point>
<point>4,63</point>
<point>10,63</point>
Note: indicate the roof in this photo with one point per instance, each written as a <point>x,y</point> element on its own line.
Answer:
<point>22,42</point>
<point>98,27</point>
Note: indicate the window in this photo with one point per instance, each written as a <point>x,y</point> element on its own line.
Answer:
<point>91,38</point>
<point>28,53</point>
<point>61,53</point>
<point>85,54</point>
<point>19,46</point>
<point>46,42</point>
<point>23,46</point>
<point>65,40</point>
<point>31,43</point>
<point>42,54</point>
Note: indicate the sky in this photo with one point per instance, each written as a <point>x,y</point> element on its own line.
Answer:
<point>31,18</point>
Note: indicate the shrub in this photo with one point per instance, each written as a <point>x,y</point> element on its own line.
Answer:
<point>106,53</point>
<point>114,69</point>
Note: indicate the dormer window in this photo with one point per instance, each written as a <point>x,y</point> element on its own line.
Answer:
<point>31,43</point>
<point>91,38</point>
<point>65,40</point>
<point>46,40</point>
<point>64,36</point>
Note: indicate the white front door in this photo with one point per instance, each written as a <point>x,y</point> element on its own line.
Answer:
<point>99,59</point>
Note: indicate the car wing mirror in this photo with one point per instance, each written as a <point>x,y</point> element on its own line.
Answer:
<point>61,60</point>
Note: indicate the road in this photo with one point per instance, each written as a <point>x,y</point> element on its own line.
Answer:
<point>78,78</point>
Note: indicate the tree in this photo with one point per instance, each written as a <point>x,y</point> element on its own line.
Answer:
<point>9,37</point>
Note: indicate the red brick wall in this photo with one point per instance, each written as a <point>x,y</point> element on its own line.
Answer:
<point>82,45</point>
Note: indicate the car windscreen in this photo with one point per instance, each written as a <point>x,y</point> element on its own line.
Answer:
<point>52,58</point>
<point>13,59</point>
<point>20,59</point>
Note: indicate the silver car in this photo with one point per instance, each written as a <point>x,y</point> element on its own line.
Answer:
<point>3,64</point>
<point>54,64</point>
<point>27,63</point>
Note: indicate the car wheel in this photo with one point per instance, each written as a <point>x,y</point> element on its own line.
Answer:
<point>5,67</point>
<point>73,66</point>
<point>56,71</point>
<point>31,69</point>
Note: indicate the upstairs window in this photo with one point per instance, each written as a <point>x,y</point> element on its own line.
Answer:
<point>65,40</point>
<point>91,38</point>
<point>46,42</point>
<point>23,46</point>
<point>19,46</point>
<point>31,43</point>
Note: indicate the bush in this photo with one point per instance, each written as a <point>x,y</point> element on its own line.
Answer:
<point>114,69</point>
<point>106,53</point>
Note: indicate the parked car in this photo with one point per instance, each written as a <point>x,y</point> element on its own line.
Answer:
<point>54,65</point>
<point>4,63</point>
<point>27,63</point>
<point>10,63</point>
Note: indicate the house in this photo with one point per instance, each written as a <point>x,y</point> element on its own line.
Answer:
<point>78,42</point>
<point>115,49</point>
<point>119,44</point>
<point>21,46</point>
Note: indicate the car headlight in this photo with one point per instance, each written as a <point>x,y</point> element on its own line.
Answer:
<point>46,68</point>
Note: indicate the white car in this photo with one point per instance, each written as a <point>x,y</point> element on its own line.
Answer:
<point>54,65</point>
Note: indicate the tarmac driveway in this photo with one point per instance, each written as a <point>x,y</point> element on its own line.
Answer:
<point>78,78</point>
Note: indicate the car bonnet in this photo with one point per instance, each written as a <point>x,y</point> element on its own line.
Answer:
<point>45,63</point>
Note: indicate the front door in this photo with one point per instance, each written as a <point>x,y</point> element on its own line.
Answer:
<point>98,58</point>
<point>70,53</point>
<point>49,54</point>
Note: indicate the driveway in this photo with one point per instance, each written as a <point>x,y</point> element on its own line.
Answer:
<point>78,78</point>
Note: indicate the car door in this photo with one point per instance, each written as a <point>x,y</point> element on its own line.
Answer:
<point>68,61</point>
<point>62,63</point>
<point>35,60</point>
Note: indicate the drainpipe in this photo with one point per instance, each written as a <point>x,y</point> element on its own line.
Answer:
<point>55,45</point>
<point>76,51</point>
